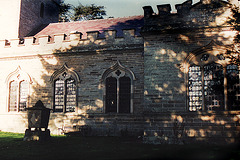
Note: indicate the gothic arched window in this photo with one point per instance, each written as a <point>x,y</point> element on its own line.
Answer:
<point>213,83</point>
<point>18,85</point>
<point>118,89</point>
<point>65,94</point>
<point>206,88</point>
<point>65,83</point>
<point>233,87</point>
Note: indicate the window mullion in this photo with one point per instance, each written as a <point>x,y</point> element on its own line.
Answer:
<point>131,98</point>
<point>18,97</point>
<point>225,88</point>
<point>118,95</point>
<point>203,90</point>
<point>65,96</point>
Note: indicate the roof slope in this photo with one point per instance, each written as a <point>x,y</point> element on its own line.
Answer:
<point>95,25</point>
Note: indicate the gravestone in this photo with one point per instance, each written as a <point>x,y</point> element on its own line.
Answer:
<point>38,118</point>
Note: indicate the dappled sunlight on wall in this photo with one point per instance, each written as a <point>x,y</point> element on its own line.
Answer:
<point>190,128</point>
<point>89,58</point>
<point>162,74</point>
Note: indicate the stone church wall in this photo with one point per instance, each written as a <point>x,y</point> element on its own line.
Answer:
<point>169,40</point>
<point>42,58</point>
<point>157,59</point>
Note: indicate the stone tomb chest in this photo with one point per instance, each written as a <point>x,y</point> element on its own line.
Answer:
<point>38,118</point>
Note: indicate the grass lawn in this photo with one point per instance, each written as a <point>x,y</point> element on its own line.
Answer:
<point>109,148</point>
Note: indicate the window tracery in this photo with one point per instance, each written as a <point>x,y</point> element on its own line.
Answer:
<point>118,89</point>
<point>18,86</point>
<point>65,83</point>
<point>212,81</point>
<point>206,87</point>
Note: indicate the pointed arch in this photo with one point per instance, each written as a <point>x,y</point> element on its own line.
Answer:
<point>210,53</point>
<point>115,67</point>
<point>19,75</point>
<point>65,87</point>
<point>117,82</point>
<point>66,69</point>
<point>206,73</point>
<point>18,83</point>
<point>212,49</point>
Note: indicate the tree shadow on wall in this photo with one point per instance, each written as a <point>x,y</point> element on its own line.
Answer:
<point>164,117</point>
<point>170,50</point>
<point>89,63</point>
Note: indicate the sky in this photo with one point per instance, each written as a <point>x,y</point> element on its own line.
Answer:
<point>124,8</point>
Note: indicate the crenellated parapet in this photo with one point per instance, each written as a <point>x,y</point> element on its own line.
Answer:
<point>47,44</point>
<point>204,14</point>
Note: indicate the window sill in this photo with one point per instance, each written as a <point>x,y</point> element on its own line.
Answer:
<point>17,113</point>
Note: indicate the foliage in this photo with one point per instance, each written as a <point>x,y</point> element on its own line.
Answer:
<point>88,12</point>
<point>234,52</point>
<point>69,12</point>
<point>64,12</point>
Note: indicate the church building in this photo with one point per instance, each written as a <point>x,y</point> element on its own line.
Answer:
<point>161,76</point>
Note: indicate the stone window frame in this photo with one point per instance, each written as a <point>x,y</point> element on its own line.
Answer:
<point>18,76</point>
<point>55,76</point>
<point>209,54</point>
<point>111,72</point>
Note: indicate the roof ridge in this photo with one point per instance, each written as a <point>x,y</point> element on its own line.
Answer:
<point>97,20</point>
<point>117,24</point>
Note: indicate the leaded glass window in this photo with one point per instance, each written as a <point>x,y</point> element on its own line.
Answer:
<point>111,94</point>
<point>18,90</point>
<point>59,96</point>
<point>206,87</point>
<point>195,88</point>
<point>65,93</point>
<point>13,94</point>
<point>70,95</point>
<point>233,87</point>
<point>124,94</point>
<point>213,87</point>
<point>18,96</point>
<point>118,93</point>
<point>23,95</point>
<point>118,84</point>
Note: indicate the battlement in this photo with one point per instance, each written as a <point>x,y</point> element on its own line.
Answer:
<point>46,44</point>
<point>183,8</point>
<point>205,13</point>
<point>166,9</point>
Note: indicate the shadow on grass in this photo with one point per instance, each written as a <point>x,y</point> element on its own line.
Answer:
<point>107,148</point>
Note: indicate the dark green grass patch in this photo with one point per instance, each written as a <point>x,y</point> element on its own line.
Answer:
<point>106,148</point>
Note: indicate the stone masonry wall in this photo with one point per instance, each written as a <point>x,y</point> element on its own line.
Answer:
<point>164,87</point>
<point>30,18</point>
<point>90,93</point>
<point>169,39</point>
<point>185,128</point>
<point>90,58</point>
<point>164,80</point>
<point>160,112</point>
